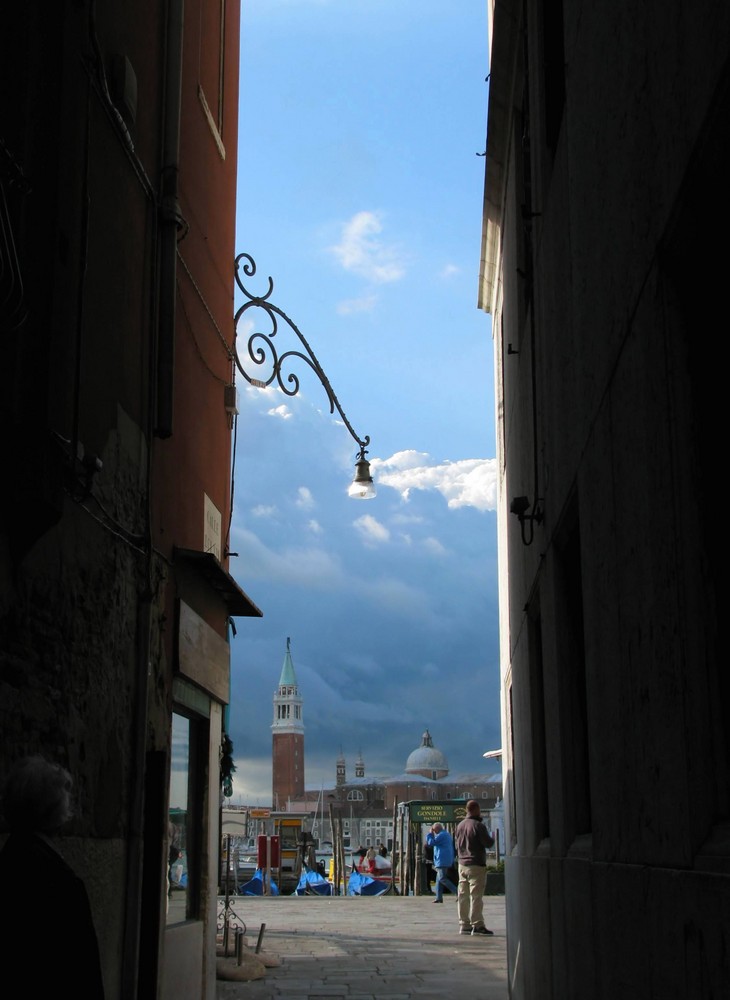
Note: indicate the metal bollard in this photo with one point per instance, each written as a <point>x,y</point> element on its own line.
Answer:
<point>260,940</point>
<point>239,946</point>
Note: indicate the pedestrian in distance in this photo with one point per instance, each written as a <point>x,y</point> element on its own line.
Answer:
<point>35,804</point>
<point>369,865</point>
<point>443,858</point>
<point>472,840</point>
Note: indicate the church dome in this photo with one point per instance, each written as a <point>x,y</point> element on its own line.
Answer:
<point>427,760</point>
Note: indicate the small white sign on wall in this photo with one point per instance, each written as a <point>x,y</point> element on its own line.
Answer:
<point>211,527</point>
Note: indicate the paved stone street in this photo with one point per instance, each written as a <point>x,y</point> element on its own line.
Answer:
<point>368,948</point>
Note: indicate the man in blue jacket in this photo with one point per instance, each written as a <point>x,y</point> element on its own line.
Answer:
<point>443,858</point>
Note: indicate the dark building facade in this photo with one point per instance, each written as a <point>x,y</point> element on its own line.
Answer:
<point>118,148</point>
<point>606,160</point>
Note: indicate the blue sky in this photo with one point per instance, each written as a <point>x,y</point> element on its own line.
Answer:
<point>360,194</point>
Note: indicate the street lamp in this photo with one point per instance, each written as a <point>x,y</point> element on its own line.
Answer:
<point>262,351</point>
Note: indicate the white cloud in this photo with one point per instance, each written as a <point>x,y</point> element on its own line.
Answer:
<point>360,252</point>
<point>409,459</point>
<point>430,545</point>
<point>434,546</point>
<point>449,271</point>
<point>404,518</point>
<point>371,530</point>
<point>264,510</point>
<point>315,527</point>
<point>305,566</point>
<point>365,303</point>
<point>402,600</point>
<point>469,482</point>
<point>305,500</point>
<point>282,411</point>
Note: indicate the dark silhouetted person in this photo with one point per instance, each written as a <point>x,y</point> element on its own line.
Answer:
<point>35,804</point>
<point>472,841</point>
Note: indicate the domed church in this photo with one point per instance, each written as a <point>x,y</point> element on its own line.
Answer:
<point>427,761</point>
<point>366,803</point>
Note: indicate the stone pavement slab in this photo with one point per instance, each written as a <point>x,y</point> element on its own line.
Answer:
<point>369,948</point>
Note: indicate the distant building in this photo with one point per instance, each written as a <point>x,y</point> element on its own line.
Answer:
<point>287,738</point>
<point>366,805</point>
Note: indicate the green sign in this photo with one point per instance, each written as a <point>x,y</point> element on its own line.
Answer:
<point>433,812</point>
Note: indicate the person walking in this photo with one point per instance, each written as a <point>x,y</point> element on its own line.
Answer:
<point>443,858</point>
<point>472,840</point>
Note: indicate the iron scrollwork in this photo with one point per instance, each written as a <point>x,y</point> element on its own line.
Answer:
<point>262,350</point>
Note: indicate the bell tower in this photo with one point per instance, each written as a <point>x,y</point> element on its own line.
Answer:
<point>288,738</point>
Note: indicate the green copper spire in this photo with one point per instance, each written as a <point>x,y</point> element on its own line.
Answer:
<point>288,677</point>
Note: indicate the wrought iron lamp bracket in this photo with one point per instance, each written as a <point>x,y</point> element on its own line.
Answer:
<point>262,350</point>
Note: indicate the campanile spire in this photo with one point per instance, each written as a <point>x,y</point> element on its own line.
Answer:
<point>288,737</point>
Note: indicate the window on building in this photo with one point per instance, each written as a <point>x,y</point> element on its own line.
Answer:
<point>185,821</point>
<point>211,66</point>
<point>355,796</point>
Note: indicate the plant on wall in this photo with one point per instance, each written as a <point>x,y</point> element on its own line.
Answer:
<point>227,766</point>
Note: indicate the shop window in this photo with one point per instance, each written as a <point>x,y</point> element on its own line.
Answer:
<point>185,819</point>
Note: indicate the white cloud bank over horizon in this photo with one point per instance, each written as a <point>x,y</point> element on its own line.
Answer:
<point>469,482</point>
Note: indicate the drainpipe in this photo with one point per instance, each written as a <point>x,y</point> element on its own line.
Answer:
<point>171,221</point>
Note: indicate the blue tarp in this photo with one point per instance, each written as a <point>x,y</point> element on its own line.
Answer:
<point>312,883</point>
<point>255,886</point>
<point>363,885</point>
